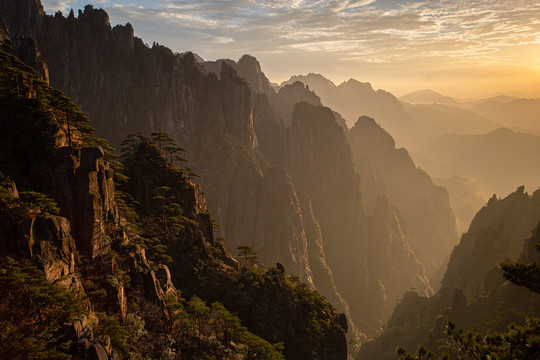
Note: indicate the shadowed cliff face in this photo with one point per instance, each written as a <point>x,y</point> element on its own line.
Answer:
<point>127,87</point>
<point>47,154</point>
<point>495,234</point>
<point>474,293</point>
<point>353,99</point>
<point>424,207</point>
<point>371,261</point>
<point>309,217</point>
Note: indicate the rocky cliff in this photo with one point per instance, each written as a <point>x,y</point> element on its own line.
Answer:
<point>353,99</point>
<point>424,206</point>
<point>125,291</point>
<point>319,150</point>
<point>212,118</point>
<point>309,217</point>
<point>474,293</point>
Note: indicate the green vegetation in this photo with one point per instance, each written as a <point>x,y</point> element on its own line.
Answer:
<point>523,274</point>
<point>248,255</point>
<point>110,325</point>
<point>42,202</point>
<point>160,213</point>
<point>32,312</point>
<point>518,342</point>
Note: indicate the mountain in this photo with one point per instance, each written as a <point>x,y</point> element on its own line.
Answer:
<point>316,138</point>
<point>474,293</point>
<point>290,191</point>
<point>498,161</point>
<point>515,113</point>
<point>85,240</point>
<point>353,99</point>
<point>428,97</point>
<point>424,207</point>
<point>441,119</point>
<point>247,67</point>
<point>465,199</point>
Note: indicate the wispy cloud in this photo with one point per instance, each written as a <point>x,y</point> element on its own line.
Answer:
<point>381,31</point>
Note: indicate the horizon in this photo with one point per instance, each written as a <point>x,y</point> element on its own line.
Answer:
<point>459,49</point>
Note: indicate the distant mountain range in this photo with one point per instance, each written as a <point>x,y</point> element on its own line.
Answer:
<point>511,112</point>
<point>353,99</point>
<point>500,160</point>
<point>438,119</point>
<point>428,97</point>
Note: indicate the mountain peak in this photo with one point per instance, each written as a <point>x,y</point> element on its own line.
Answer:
<point>428,96</point>
<point>366,86</point>
<point>316,80</point>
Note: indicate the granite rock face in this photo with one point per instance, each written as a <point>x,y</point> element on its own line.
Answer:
<point>473,292</point>
<point>383,268</point>
<point>88,346</point>
<point>495,234</point>
<point>156,285</point>
<point>47,240</point>
<point>424,207</point>
<point>224,114</point>
<point>280,225</point>
<point>81,182</point>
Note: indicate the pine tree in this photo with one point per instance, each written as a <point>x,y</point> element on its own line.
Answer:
<point>248,254</point>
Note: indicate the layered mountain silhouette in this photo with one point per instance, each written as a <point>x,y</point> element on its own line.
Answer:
<point>386,171</point>
<point>499,160</point>
<point>439,119</point>
<point>276,168</point>
<point>102,259</point>
<point>428,97</point>
<point>308,173</point>
<point>353,99</point>
<point>474,293</point>
<point>515,113</point>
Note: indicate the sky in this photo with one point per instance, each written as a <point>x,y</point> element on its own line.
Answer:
<point>461,48</point>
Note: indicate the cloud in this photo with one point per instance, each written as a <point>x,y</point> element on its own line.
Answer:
<point>338,31</point>
<point>300,23</point>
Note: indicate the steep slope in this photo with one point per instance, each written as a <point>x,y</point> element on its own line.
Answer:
<point>390,172</point>
<point>353,99</point>
<point>474,293</point>
<point>211,117</point>
<point>125,293</point>
<point>365,271</point>
<point>499,227</point>
<point>309,217</point>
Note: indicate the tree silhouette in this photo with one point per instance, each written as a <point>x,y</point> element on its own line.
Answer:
<point>248,254</point>
<point>519,342</point>
<point>174,153</point>
<point>162,138</point>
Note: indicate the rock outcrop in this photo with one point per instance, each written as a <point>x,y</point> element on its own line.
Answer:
<point>81,182</point>
<point>74,179</point>
<point>495,234</point>
<point>353,99</point>
<point>224,115</point>
<point>48,240</point>
<point>474,293</point>
<point>360,266</point>
<point>423,206</point>
<point>86,345</point>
